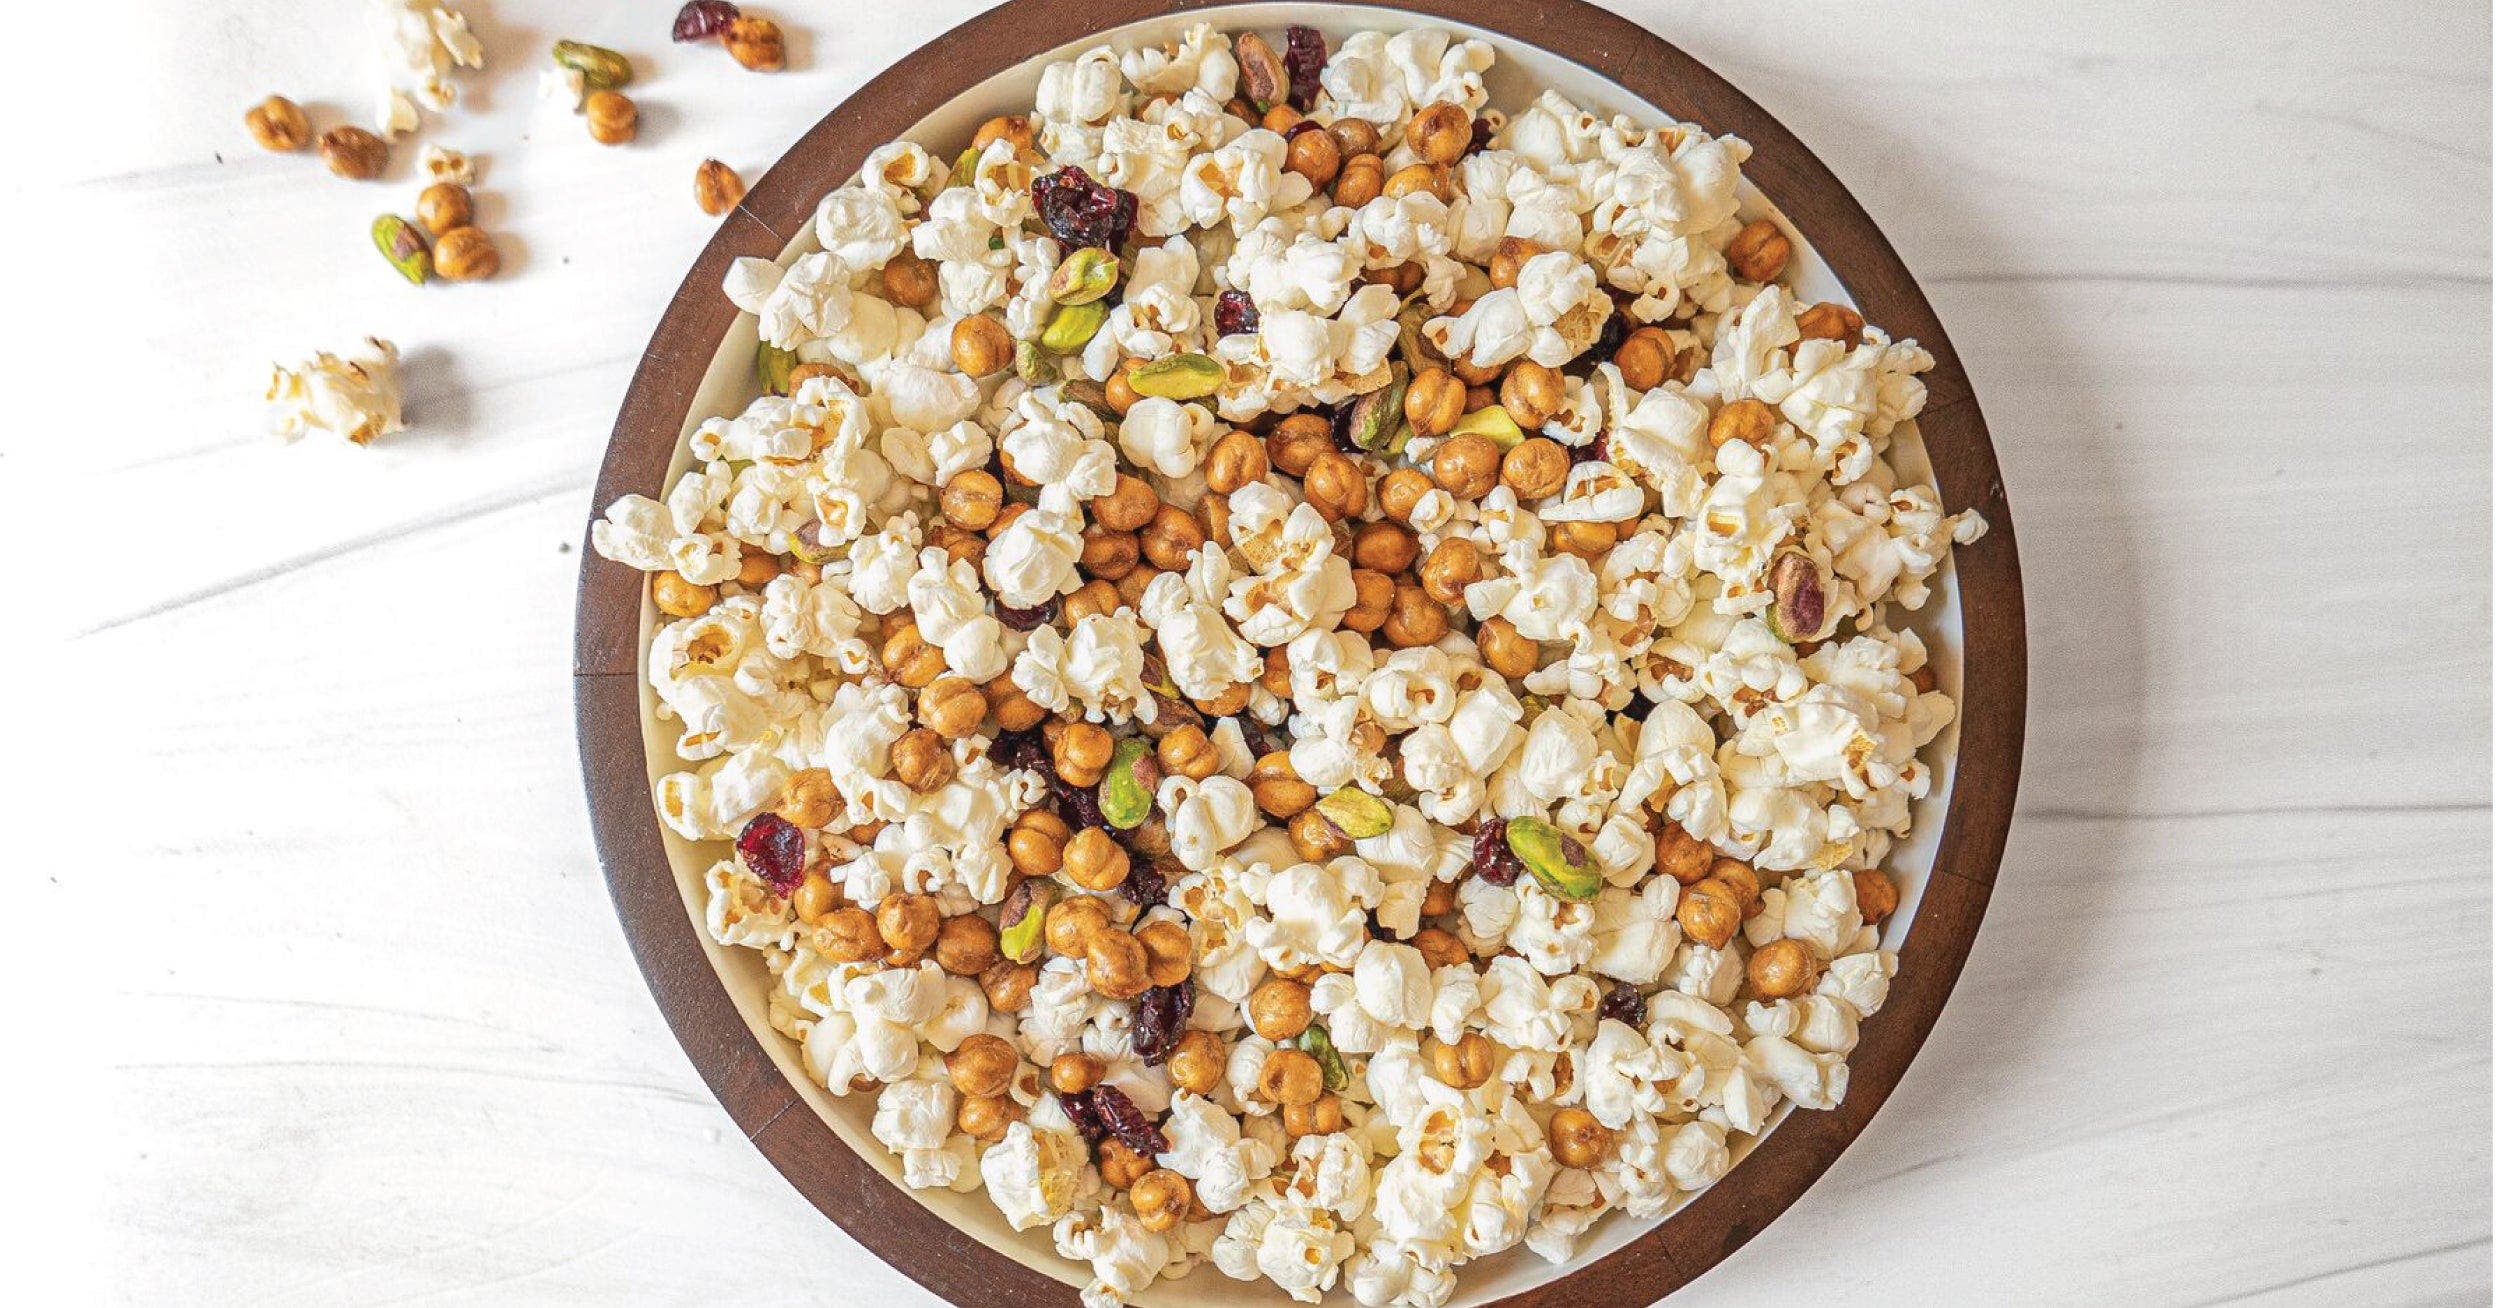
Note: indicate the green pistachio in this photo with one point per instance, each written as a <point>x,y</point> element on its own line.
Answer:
<point>1085,276</point>
<point>1035,367</point>
<point>1559,863</point>
<point>1358,814</point>
<point>966,164</point>
<point>602,69</point>
<point>403,243</point>
<point>772,367</point>
<point>1179,377</point>
<point>1315,1042</point>
<point>1088,392</point>
<point>1797,598</point>
<point>1492,422</point>
<point>1128,788</point>
<point>1378,422</point>
<point>1074,325</point>
<point>1020,938</point>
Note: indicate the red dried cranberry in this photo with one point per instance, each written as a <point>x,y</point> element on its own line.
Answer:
<point>1609,337</point>
<point>1077,805</point>
<point>774,850</point>
<point>1306,53</point>
<point>1479,134</point>
<point>1494,861</point>
<point>1019,749</point>
<point>1085,1116</point>
<point>1235,314</point>
<point>1623,1004</point>
<point>1594,450</point>
<point>1146,885</point>
<point>703,20</point>
<point>1015,619</point>
<point>1081,211</point>
<point>1162,1014</point>
<point>1127,1122</point>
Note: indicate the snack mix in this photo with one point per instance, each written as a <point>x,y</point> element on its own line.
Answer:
<point>1299,672</point>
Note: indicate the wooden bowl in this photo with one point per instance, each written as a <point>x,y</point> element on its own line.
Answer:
<point>717,1018</point>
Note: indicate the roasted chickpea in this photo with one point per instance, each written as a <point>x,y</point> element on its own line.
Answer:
<point>921,760</point>
<point>847,935</point>
<point>1121,1166</point>
<point>611,117</point>
<point>953,707</point>
<point>912,662</point>
<point>445,205</point>
<point>1467,466</point>
<point>1322,1116</point>
<point>717,188</point>
<point>1682,855</point>
<point>1108,554</point>
<point>1080,754</point>
<point>1233,700</point>
<point>1578,1138</point>
<point>1401,491</point>
<point>1185,749</point>
<point>1117,390</point>
<point>1315,155</point>
<point>1037,843</point>
<point>1297,442</point>
<point>1741,879</point>
<point>1760,252</point>
<point>1197,1062</point>
<point>1236,461</point>
<point>1015,129</point>
<point>1315,838</point>
<point>1784,968</point>
<point>1009,986</point>
<point>966,944</point>
<point>466,254</point>
<point>910,280</point>
<point>1645,357</point>
<point>1130,505</point>
<point>987,1117</point>
<point>1466,1064</point>
<point>982,345</point>
<point>756,44</point>
<point>1450,569</point>
<point>1532,393</point>
<point>971,499</point>
<point>354,153</point>
<point>1415,619</point>
<point>1276,671</point>
<point>1504,649</point>
<point>1359,181</point>
<point>1830,322</point>
<point>278,123</point>
<point>1162,1197</point>
<point>1418,179</point>
<point>1335,485</point>
<point>983,1064</point>
<point>1014,709</point>
<point>1709,912</point>
<point>1171,541</point>
<point>1589,540</point>
<point>1073,921</point>
<point>1878,897</point>
<point>1440,132</point>
<point>1280,118</point>
<point>1384,547</point>
<point>757,569</point>
<point>809,799</point>
<point>1094,860</point>
<point>1435,401</point>
<point>1355,136</point>
<point>1167,951</point>
<point>816,897</point>
<point>1115,964</point>
<point>908,921</point>
<point>1075,1073</point>
<point>1508,256</point>
<point>1535,468</point>
<point>1289,1076</point>
<point>1279,790</point>
<point>1476,375</point>
<point>1094,598</point>
<point>1440,947</point>
<point>1280,1009</point>
<point>680,598</point>
<point>1402,278</point>
<point>1439,897</point>
<point>1747,420</point>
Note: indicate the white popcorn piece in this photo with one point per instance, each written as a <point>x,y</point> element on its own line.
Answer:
<point>353,397</point>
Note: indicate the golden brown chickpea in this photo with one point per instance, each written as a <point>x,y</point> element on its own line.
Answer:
<point>1415,619</point>
<point>680,598</point>
<point>1435,401</point>
<point>1402,278</point>
<point>1075,1073</point>
<point>1504,649</point>
<point>1401,491</point>
<point>1710,913</point>
<point>921,760</point>
<point>1236,461</point>
<point>983,1064</point>
<point>1115,964</point>
<point>907,922</point>
<point>1015,129</point>
<point>1131,587</point>
<point>847,935</point>
<point>968,546</point>
<point>1082,751</point>
<point>966,944</point>
<point>815,897</point>
<point>1037,843</point>
<point>1578,1138</point>
<point>1503,268</point>
<point>809,799</point>
<point>1441,948</point>
<point>1439,897</point>
<point>909,660</point>
<point>611,117</point>
<point>1009,986</point>
<point>445,205</point>
<point>1167,949</point>
<point>717,188</point>
<point>278,123</point>
<point>1313,154</point>
<point>1297,442</point>
<point>1121,1166</point>
<point>756,44</point>
<point>1279,790</point>
<point>1186,749</point>
<point>953,707</point>
<point>1108,554</point>
<point>757,569</point>
<point>981,345</point>
<point>971,499</point>
<point>1289,1076</point>
<point>1197,1062</point>
<point>1094,860</point>
<point>1315,838</point>
<point>1589,540</point>
<point>1536,468</point>
<point>1783,969</point>
<point>1276,671</point>
<point>1280,1009</point>
<point>354,153</point>
<point>1467,466</point>
<point>1322,1116</point>
<point>1418,179</point>
<point>1440,132</point>
<point>987,1117</point>
<point>1466,1064</point>
<point>1682,855</point>
<point>1450,569</point>
<point>1094,598</point>
<point>1830,322</point>
<point>1532,393</point>
<point>910,280</point>
<point>1335,485</point>
<point>1117,391</point>
<point>1385,547</point>
<point>1171,541</point>
<point>1073,921</point>
<point>1359,181</point>
<point>1760,252</point>
<point>1645,357</point>
<point>466,254</point>
<point>1741,879</point>
<point>1878,897</point>
<point>1233,700</point>
<point>1280,118</point>
<point>1162,1197</point>
<point>1130,505</point>
<point>1747,420</point>
<point>1355,136</point>
<point>1014,709</point>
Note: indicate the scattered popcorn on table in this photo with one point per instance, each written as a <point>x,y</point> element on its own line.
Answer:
<point>1373,745</point>
<point>354,398</point>
<point>416,45</point>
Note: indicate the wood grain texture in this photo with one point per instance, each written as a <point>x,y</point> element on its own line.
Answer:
<point>2220,276</point>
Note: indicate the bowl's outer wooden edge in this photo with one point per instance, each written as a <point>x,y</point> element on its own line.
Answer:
<point>609,613</point>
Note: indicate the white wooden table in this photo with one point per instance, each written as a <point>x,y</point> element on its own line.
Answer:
<point>2221,274</point>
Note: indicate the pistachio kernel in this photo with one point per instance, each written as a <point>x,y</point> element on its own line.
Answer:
<point>1559,863</point>
<point>403,244</point>
<point>1494,423</point>
<point>1085,276</point>
<point>1179,377</point>
<point>1797,598</point>
<point>1073,325</point>
<point>601,69</point>
<point>1360,815</point>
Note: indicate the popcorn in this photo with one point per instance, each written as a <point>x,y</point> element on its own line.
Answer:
<point>417,43</point>
<point>354,398</point>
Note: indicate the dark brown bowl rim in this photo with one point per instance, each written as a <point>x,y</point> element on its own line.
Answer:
<point>609,712</point>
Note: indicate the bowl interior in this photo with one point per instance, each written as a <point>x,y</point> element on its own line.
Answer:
<point>1521,72</point>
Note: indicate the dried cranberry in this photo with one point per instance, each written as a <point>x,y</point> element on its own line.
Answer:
<point>1078,806</point>
<point>1015,619</point>
<point>774,850</point>
<point>1235,315</point>
<point>1610,337</point>
<point>1081,211</point>
<point>1341,428</point>
<point>1261,738</point>
<point>1146,885</point>
<point>1479,134</point>
<point>1127,1122</point>
<point>1623,1004</point>
<point>1162,1014</point>
<point>1494,861</point>
<point>703,20</point>
<point>1020,749</point>
<point>1306,53</point>
<point>1593,451</point>
<point>1085,1115</point>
